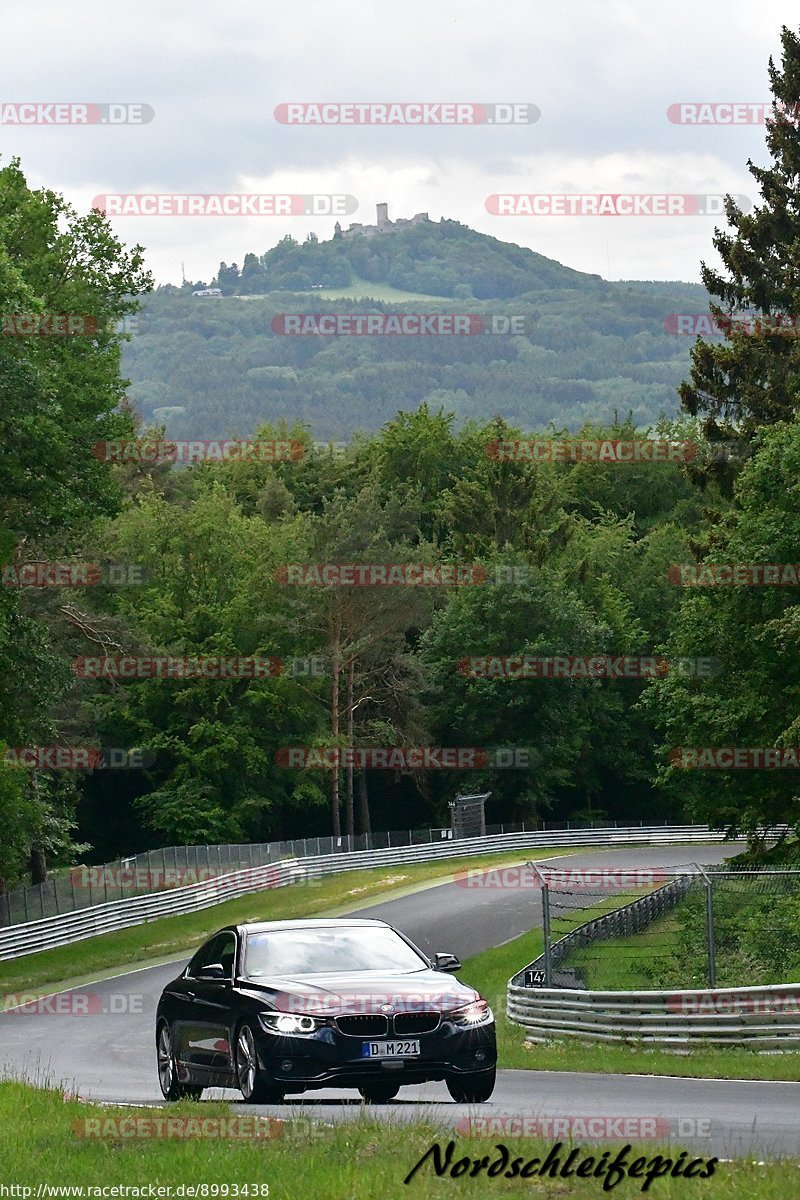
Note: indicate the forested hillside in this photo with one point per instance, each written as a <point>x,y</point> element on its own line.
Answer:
<point>587,348</point>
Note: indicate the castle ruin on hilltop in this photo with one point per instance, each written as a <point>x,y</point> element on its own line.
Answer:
<point>384,225</point>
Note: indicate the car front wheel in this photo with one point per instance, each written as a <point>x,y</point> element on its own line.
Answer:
<point>254,1088</point>
<point>473,1088</point>
<point>171,1087</point>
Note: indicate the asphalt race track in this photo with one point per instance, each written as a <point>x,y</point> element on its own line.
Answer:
<point>108,1053</point>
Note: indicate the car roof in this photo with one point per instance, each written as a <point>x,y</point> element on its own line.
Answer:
<point>320,923</point>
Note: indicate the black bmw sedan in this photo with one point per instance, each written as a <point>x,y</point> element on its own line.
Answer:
<point>280,1007</point>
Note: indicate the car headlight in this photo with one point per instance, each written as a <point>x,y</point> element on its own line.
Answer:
<point>476,1013</point>
<point>289,1023</point>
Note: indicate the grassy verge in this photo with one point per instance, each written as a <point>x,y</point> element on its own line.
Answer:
<point>352,1161</point>
<point>784,854</point>
<point>630,963</point>
<point>490,971</point>
<point>651,960</point>
<point>330,895</point>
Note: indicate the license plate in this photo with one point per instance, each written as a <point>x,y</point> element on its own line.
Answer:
<point>398,1049</point>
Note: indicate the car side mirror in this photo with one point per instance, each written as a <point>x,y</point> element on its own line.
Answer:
<point>214,971</point>
<point>446,962</point>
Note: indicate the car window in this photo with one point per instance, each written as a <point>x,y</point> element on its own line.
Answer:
<point>314,952</point>
<point>227,952</point>
<point>220,949</point>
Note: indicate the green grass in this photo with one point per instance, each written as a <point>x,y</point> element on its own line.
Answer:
<point>363,289</point>
<point>39,1144</point>
<point>330,895</point>
<point>628,963</point>
<point>784,854</point>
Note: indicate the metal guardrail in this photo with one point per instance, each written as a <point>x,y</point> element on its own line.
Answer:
<point>66,928</point>
<point>762,1018</point>
<point>173,866</point>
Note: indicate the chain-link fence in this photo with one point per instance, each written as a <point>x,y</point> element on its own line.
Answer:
<point>683,927</point>
<point>176,866</point>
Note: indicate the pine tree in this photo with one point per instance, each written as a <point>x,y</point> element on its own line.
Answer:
<point>753,377</point>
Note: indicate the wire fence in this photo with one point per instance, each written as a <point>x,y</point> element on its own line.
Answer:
<point>177,866</point>
<point>704,927</point>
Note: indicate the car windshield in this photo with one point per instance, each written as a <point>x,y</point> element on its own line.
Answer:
<point>325,951</point>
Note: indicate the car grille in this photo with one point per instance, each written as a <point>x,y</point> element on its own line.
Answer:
<point>403,1024</point>
<point>411,1023</point>
<point>363,1025</point>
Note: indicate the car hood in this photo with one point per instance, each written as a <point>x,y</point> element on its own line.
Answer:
<point>361,992</point>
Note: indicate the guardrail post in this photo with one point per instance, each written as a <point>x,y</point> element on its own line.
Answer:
<point>710,938</point>
<point>548,958</point>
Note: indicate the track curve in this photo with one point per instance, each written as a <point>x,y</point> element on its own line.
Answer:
<point>106,1052</point>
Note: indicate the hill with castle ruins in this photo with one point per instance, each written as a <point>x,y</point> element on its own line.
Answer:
<point>569,347</point>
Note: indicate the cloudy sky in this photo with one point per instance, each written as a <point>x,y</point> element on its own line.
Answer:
<point>602,72</point>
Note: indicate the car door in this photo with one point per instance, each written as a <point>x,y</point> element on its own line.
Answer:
<point>202,1033</point>
<point>185,1014</point>
<point>212,1002</point>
